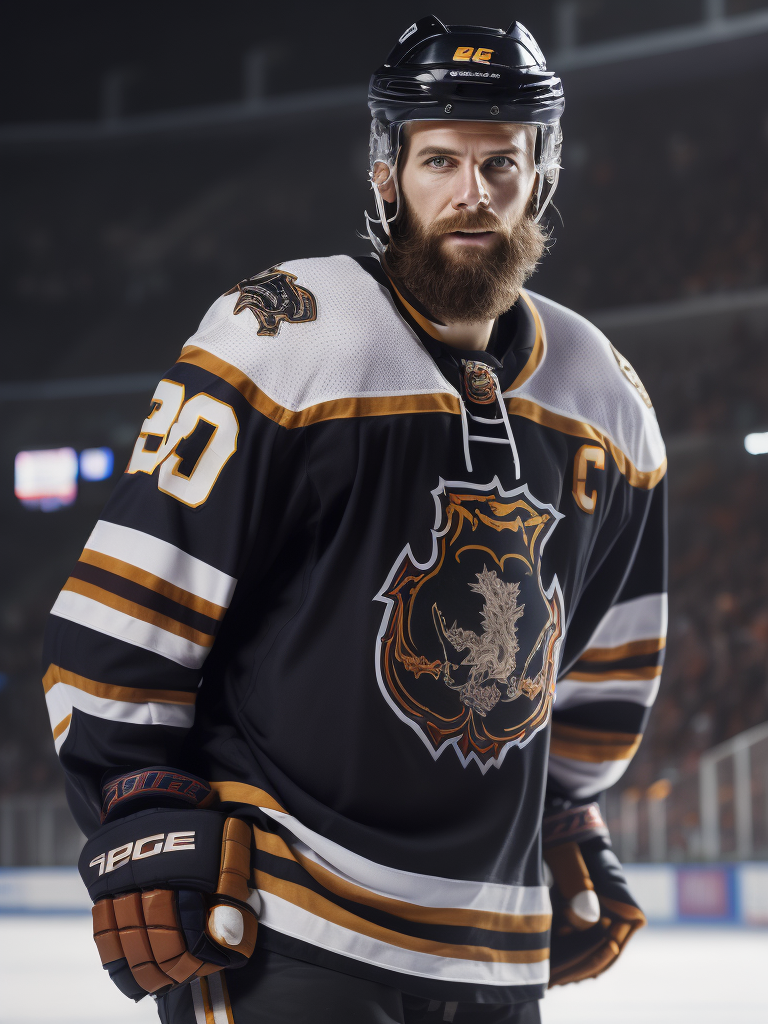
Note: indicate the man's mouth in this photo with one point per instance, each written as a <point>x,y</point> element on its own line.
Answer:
<point>472,236</point>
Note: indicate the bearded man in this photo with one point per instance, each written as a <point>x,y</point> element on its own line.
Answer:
<point>381,511</point>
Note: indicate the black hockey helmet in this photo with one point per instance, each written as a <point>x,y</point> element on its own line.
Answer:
<point>440,72</point>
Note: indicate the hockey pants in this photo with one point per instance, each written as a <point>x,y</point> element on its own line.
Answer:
<point>276,989</point>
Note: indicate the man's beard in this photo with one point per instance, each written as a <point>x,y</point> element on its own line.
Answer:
<point>460,283</point>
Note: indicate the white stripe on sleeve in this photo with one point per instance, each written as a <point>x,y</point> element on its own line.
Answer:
<point>164,560</point>
<point>62,698</point>
<point>584,778</point>
<point>572,693</point>
<point>642,618</point>
<point>98,616</point>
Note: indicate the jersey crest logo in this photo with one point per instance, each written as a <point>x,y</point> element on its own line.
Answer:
<point>469,644</point>
<point>274,298</point>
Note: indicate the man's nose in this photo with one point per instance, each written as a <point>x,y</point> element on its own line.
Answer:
<point>471,190</point>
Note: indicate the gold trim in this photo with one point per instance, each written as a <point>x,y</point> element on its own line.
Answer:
<point>539,344</point>
<point>126,694</point>
<point>242,793</point>
<point>422,321</point>
<point>336,409</point>
<point>539,347</point>
<point>138,611</point>
<point>645,480</point>
<point>631,650</point>
<point>147,579</point>
<point>647,672</point>
<point>205,992</point>
<point>62,726</point>
<point>454,916</point>
<point>592,745</point>
<point>320,907</point>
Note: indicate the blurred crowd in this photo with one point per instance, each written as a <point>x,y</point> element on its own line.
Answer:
<point>715,682</point>
<point>665,195</point>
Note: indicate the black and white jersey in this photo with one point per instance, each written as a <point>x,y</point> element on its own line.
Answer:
<point>381,595</point>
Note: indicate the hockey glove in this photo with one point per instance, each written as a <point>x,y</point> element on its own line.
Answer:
<point>593,913</point>
<point>170,884</point>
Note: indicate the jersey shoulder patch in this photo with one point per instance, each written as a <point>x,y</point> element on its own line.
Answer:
<point>274,297</point>
<point>629,372</point>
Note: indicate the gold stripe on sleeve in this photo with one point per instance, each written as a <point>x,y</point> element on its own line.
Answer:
<point>647,672</point>
<point>127,694</point>
<point>146,579</point>
<point>592,745</point>
<point>631,650</point>
<point>138,611</point>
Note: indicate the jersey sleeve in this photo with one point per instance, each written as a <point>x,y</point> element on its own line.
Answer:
<point>613,655</point>
<point>204,496</point>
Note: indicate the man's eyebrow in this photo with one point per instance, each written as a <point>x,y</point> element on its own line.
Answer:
<point>510,149</point>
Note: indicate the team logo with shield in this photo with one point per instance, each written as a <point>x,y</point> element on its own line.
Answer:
<point>470,641</point>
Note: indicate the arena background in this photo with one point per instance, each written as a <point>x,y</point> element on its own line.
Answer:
<point>154,154</point>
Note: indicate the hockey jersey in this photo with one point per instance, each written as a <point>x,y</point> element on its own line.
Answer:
<point>382,597</point>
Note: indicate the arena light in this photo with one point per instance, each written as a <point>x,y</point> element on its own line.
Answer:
<point>757,444</point>
<point>46,479</point>
<point>96,463</point>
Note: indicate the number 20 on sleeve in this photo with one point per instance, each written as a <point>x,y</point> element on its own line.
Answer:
<point>171,421</point>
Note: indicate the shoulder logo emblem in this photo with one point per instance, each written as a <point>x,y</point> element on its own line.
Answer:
<point>275,298</point>
<point>629,372</point>
<point>470,642</point>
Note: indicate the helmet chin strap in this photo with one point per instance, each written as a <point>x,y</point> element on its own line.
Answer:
<point>382,219</point>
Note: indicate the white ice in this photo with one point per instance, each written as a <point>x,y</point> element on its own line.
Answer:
<point>50,974</point>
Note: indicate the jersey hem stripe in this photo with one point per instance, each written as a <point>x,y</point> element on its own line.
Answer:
<point>452,916</point>
<point>293,920</point>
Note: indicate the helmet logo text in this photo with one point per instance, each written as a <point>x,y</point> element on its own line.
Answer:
<point>479,55</point>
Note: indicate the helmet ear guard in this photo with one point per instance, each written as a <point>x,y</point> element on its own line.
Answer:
<point>501,78</point>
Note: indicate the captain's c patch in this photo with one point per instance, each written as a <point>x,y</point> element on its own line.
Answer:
<point>274,298</point>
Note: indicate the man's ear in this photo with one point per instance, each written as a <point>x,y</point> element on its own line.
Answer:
<point>384,180</point>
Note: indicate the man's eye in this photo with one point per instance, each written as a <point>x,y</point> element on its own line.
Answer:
<point>438,161</point>
<point>499,161</point>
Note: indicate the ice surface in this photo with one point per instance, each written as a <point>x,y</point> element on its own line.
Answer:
<point>676,975</point>
<point>51,975</point>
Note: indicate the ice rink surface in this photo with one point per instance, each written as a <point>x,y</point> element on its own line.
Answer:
<point>51,975</point>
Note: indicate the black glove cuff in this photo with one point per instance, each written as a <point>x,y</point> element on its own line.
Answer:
<point>151,787</point>
<point>574,825</point>
<point>158,848</point>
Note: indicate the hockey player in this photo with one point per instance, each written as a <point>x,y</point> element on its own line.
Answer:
<point>382,512</point>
